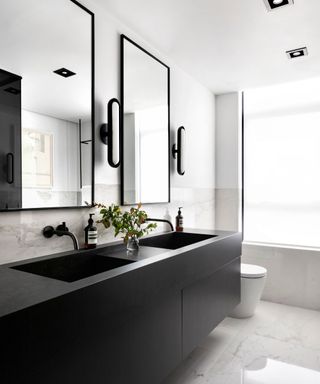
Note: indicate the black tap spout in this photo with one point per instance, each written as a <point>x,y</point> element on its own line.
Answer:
<point>61,230</point>
<point>162,221</point>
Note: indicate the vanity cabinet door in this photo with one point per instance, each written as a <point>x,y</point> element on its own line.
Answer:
<point>153,348</point>
<point>207,302</point>
<point>84,338</point>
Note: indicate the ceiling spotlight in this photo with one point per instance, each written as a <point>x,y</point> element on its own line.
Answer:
<point>294,53</point>
<point>64,72</point>
<point>273,4</point>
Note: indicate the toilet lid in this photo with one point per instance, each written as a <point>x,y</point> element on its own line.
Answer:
<point>253,271</point>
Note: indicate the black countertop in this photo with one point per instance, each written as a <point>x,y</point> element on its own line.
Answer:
<point>20,290</point>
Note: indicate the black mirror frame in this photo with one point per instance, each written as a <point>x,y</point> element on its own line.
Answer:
<point>122,40</point>
<point>91,204</point>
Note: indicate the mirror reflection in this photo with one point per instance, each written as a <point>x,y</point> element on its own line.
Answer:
<point>45,104</point>
<point>145,87</point>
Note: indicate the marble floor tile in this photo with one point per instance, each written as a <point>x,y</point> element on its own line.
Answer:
<point>279,345</point>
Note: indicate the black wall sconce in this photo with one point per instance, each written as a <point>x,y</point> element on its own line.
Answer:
<point>179,149</point>
<point>110,132</point>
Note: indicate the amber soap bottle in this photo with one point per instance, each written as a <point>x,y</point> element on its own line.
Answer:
<point>91,234</point>
<point>179,221</point>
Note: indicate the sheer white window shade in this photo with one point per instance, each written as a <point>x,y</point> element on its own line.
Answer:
<point>282,165</point>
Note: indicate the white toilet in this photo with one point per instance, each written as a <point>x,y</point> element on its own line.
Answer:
<point>253,278</point>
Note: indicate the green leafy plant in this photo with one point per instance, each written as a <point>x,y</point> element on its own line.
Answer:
<point>130,223</point>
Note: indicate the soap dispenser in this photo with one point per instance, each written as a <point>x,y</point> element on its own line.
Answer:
<point>91,234</point>
<point>179,221</point>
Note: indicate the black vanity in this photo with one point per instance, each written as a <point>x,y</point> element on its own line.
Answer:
<point>132,321</point>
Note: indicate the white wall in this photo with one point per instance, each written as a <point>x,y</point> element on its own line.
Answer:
<point>228,161</point>
<point>293,274</point>
<point>192,105</point>
<point>129,148</point>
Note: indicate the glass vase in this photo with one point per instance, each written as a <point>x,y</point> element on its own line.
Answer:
<point>133,244</point>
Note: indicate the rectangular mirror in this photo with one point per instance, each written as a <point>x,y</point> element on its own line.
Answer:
<point>46,104</point>
<point>145,127</point>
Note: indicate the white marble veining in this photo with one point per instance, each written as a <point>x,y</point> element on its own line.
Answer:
<point>227,209</point>
<point>23,239</point>
<point>278,340</point>
<point>21,232</point>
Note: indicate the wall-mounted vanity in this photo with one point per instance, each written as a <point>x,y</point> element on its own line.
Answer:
<point>46,104</point>
<point>102,316</point>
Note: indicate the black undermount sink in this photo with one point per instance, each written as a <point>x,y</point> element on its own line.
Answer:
<point>73,267</point>
<point>174,240</point>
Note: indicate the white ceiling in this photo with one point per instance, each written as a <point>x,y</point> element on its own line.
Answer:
<point>228,45</point>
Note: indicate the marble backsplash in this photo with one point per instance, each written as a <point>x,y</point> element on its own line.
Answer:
<point>293,274</point>
<point>21,236</point>
<point>228,209</point>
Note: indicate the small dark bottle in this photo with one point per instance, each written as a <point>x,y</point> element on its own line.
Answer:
<point>91,234</point>
<point>179,221</point>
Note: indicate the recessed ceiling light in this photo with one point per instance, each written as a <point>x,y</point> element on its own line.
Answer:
<point>64,72</point>
<point>273,4</point>
<point>294,53</point>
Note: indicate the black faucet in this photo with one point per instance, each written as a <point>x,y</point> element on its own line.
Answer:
<point>61,230</point>
<point>163,221</point>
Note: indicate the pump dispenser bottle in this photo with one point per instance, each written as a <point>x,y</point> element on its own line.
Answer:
<point>179,221</point>
<point>91,234</point>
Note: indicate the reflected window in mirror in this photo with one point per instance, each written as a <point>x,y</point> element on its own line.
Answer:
<point>145,131</point>
<point>46,99</point>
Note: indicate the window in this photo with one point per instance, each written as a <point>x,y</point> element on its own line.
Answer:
<point>37,159</point>
<point>282,164</point>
